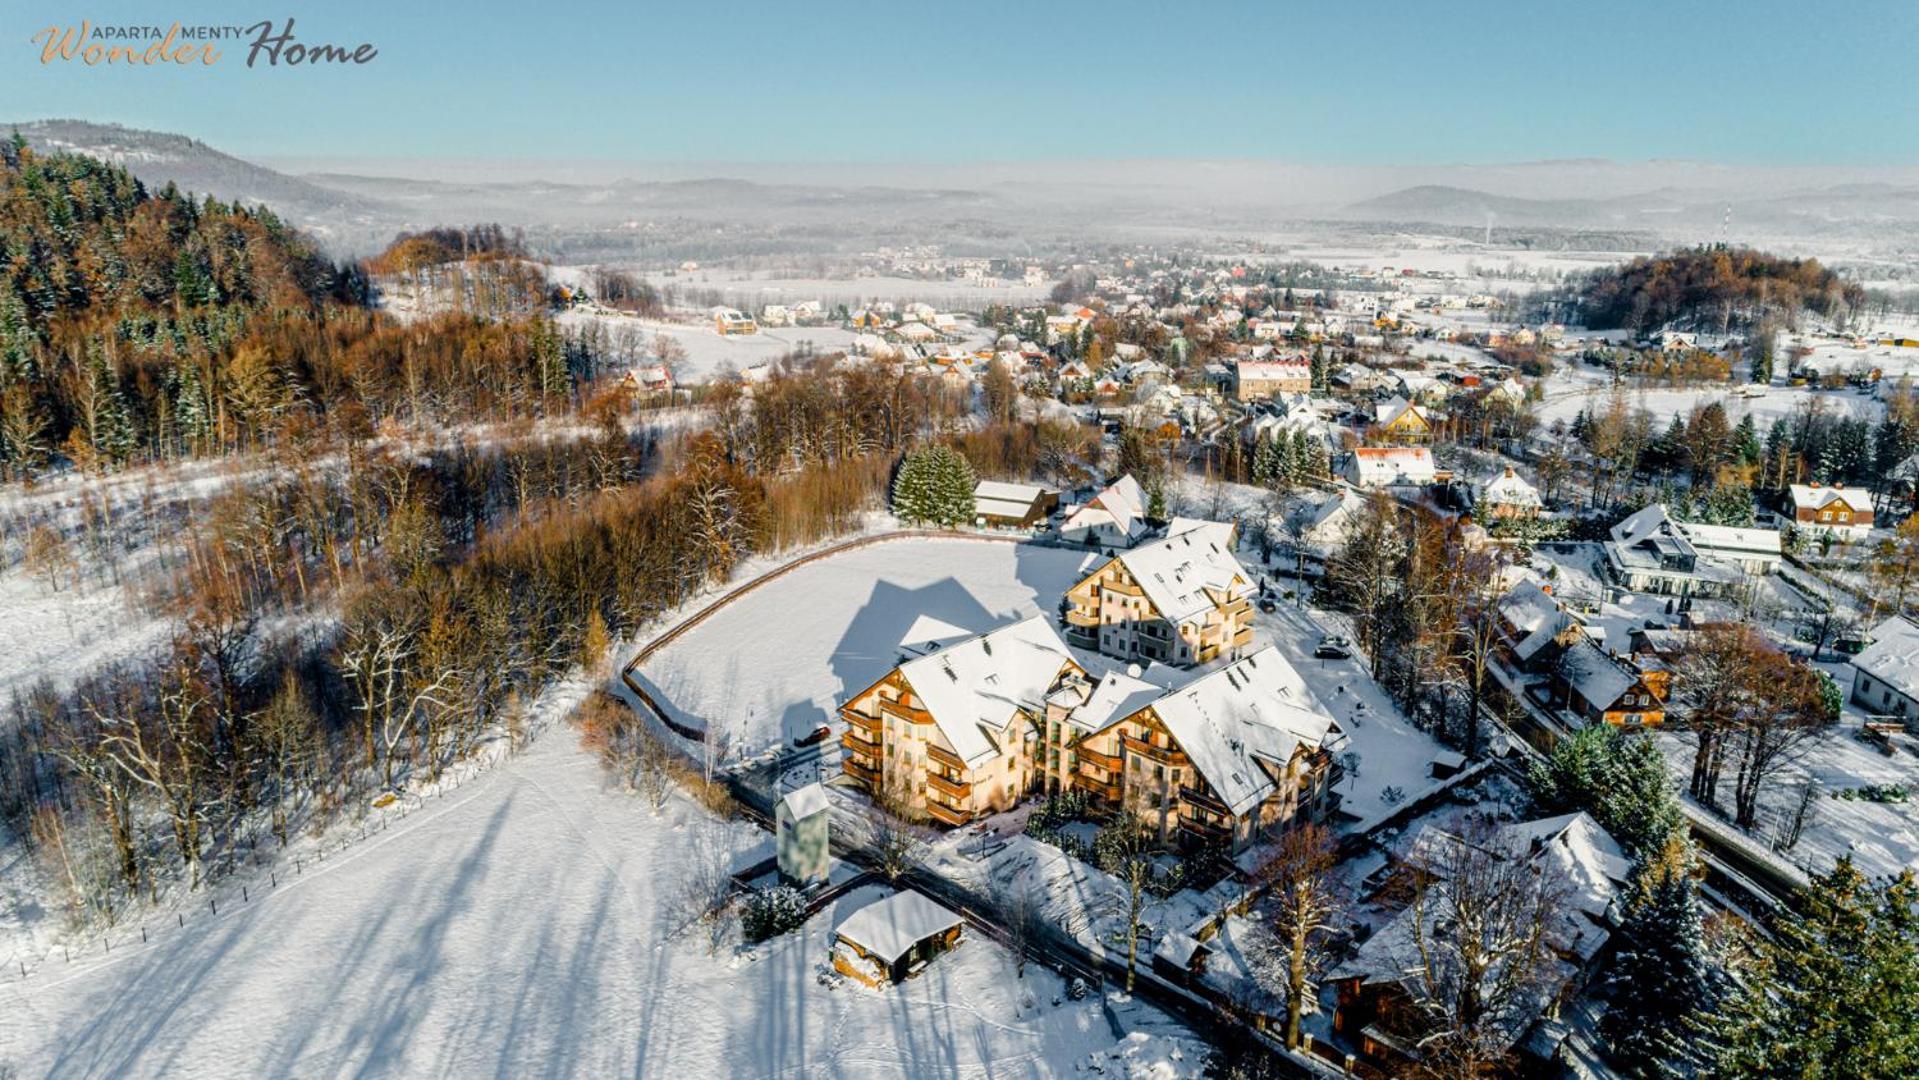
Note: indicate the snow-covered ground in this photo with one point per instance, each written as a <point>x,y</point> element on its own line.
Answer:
<point>1576,387</point>
<point>774,665</point>
<point>527,925</point>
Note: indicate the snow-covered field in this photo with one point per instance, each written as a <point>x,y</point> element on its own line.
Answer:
<point>527,925</point>
<point>751,289</point>
<point>775,664</point>
<point>1576,388</point>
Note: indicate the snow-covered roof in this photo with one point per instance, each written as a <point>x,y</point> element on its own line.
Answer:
<point>1123,503</point>
<point>1509,489</point>
<point>1893,656</point>
<point>1374,466</point>
<point>1116,696</point>
<point>1257,708</point>
<point>1534,616</point>
<point>1596,677</point>
<point>803,803</point>
<point>1000,499</point>
<point>1819,496</point>
<point>1655,523</point>
<point>1176,573</point>
<point>1582,858</point>
<point>977,686</point>
<point>889,928</point>
<point>930,635</point>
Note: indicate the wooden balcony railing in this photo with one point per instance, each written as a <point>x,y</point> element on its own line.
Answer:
<point>865,774</point>
<point>944,813</point>
<point>854,741</point>
<point>1109,762</point>
<point>958,789</point>
<point>945,757</point>
<point>1164,754</point>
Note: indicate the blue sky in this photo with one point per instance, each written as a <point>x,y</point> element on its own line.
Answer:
<point>855,81</point>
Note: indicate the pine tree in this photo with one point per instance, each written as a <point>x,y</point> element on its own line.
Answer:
<point>1745,442</point>
<point>1664,984</point>
<point>934,487</point>
<point>1836,993</point>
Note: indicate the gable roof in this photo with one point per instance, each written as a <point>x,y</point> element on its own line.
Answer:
<point>1175,573</point>
<point>1123,502</point>
<point>1257,708</point>
<point>1893,656</point>
<point>1000,499</point>
<point>1534,616</point>
<point>1509,489</point>
<point>974,688</point>
<point>1820,496</point>
<point>804,802</point>
<point>890,928</point>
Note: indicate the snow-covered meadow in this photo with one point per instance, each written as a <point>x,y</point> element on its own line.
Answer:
<point>530,923</point>
<point>774,665</point>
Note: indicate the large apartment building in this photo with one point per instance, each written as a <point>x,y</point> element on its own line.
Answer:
<point>972,728</point>
<point>947,732</point>
<point>1184,600</point>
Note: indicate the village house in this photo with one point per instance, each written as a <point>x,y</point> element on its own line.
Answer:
<point>1844,512</point>
<point>1000,505</point>
<point>1389,466</point>
<point>1114,518</point>
<point>1650,551</point>
<point>944,733</point>
<point>1507,496</point>
<point>1256,379</point>
<point>729,322</point>
<point>1599,688</point>
<point>1885,677</point>
<point>1531,620</point>
<point>1376,1007</point>
<point>1400,421</point>
<point>647,382</point>
<point>1183,600</point>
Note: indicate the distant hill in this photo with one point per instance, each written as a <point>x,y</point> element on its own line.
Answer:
<point>340,218</point>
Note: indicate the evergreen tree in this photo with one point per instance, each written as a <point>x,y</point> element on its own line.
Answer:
<point>934,487</point>
<point>1619,779</point>
<point>1745,442</point>
<point>1836,992</point>
<point>1664,986</point>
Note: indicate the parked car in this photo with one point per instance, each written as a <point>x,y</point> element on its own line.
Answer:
<point>1267,603</point>
<point>1333,647</point>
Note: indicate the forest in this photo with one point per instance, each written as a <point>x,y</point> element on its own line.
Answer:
<point>139,327</point>
<point>1716,289</point>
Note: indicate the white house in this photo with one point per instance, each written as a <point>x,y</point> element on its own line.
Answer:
<point>1885,678</point>
<point>1116,517</point>
<point>1389,466</point>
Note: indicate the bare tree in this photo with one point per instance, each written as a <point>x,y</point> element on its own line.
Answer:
<point>1479,956</point>
<point>1125,849</point>
<point>1300,886</point>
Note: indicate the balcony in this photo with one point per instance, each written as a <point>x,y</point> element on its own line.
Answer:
<point>957,789</point>
<point>1166,755</point>
<point>1199,797</point>
<point>905,712</point>
<point>1108,790</point>
<point>1204,830</point>
<point>860,720</point>
<point>1244,637</point>
<point>1091,756</point>
<point>856,769</point>
<point>943,813</point>
<point>859,744</point>
<point>945,757</point>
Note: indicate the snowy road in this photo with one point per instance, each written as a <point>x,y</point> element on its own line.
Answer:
<point>524,928</point>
